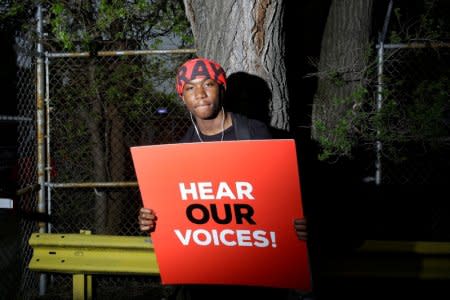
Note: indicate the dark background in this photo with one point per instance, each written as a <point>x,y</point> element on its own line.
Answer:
<point>336,197</point>
<point>342,209</point>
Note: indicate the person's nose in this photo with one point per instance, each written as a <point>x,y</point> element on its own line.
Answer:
<point>200,92</point>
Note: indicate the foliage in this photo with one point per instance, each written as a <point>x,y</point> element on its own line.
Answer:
<point>14,14</point>
<point>431,23</point>
<point>413,110</point>
<point>340,140</point>
<point>103,105</point>
<point>100,94</point>
<point>421,118</point>
<point>82,25</point>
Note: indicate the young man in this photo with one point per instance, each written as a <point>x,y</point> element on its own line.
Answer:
<point>201,84</point>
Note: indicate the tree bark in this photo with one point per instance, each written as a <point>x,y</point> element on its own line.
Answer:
<point>117,162</point>
<point>343,59</point>
<point>93,120</point>
<point>245,36</point>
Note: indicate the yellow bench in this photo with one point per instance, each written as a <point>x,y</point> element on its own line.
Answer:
<point>424,260</point>
<point>84,255</point>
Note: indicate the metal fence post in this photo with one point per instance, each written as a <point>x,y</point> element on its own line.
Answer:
<point>378,144</point>
<point>40,120</point>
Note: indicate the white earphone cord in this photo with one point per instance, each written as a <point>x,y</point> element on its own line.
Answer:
<point>198,133</point>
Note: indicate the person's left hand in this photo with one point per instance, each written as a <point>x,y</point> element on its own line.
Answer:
<point>301,229</point>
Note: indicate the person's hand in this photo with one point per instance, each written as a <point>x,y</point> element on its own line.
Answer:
<point>301,229</point>
<point>147,219</point>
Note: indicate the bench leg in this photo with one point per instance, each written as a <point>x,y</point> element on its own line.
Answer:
<point>89,287</point>
<point>82,287</point>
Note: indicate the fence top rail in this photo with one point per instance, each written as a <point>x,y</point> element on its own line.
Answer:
<point>416,45</point>
<point>14,118</point>
<point>93,184</point>
<point>121,53</point>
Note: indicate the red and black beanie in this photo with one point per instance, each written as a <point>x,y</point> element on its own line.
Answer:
<point>199,68</point>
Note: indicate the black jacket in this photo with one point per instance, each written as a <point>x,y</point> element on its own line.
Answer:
<point>244,129</point>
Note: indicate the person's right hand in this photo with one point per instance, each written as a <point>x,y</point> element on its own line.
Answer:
<point>147,219</point>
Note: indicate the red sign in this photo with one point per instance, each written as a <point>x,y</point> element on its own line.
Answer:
<point>225,212</point>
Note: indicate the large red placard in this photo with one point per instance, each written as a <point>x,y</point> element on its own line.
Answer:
<point>225,212</point>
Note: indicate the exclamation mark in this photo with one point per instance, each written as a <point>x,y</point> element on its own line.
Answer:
<point>274,242</point>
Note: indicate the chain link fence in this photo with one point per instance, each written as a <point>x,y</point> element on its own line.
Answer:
<point>416,93</point>
<point>26,175</point>
<point>416,112</point>
<point>96,108</point>
<point>99,107</point>
<point>18,223</point>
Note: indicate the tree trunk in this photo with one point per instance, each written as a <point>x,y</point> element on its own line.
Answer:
<point>117,161</point>
<point>93,119</point>
<point>343,59</point>
<point>245,36</point>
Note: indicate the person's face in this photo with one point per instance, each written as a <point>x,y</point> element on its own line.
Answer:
<point>202,98</point>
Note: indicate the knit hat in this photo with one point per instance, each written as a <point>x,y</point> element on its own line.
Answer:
<point>199,68</point>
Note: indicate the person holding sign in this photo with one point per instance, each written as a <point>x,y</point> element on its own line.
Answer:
<point>201,85</point>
